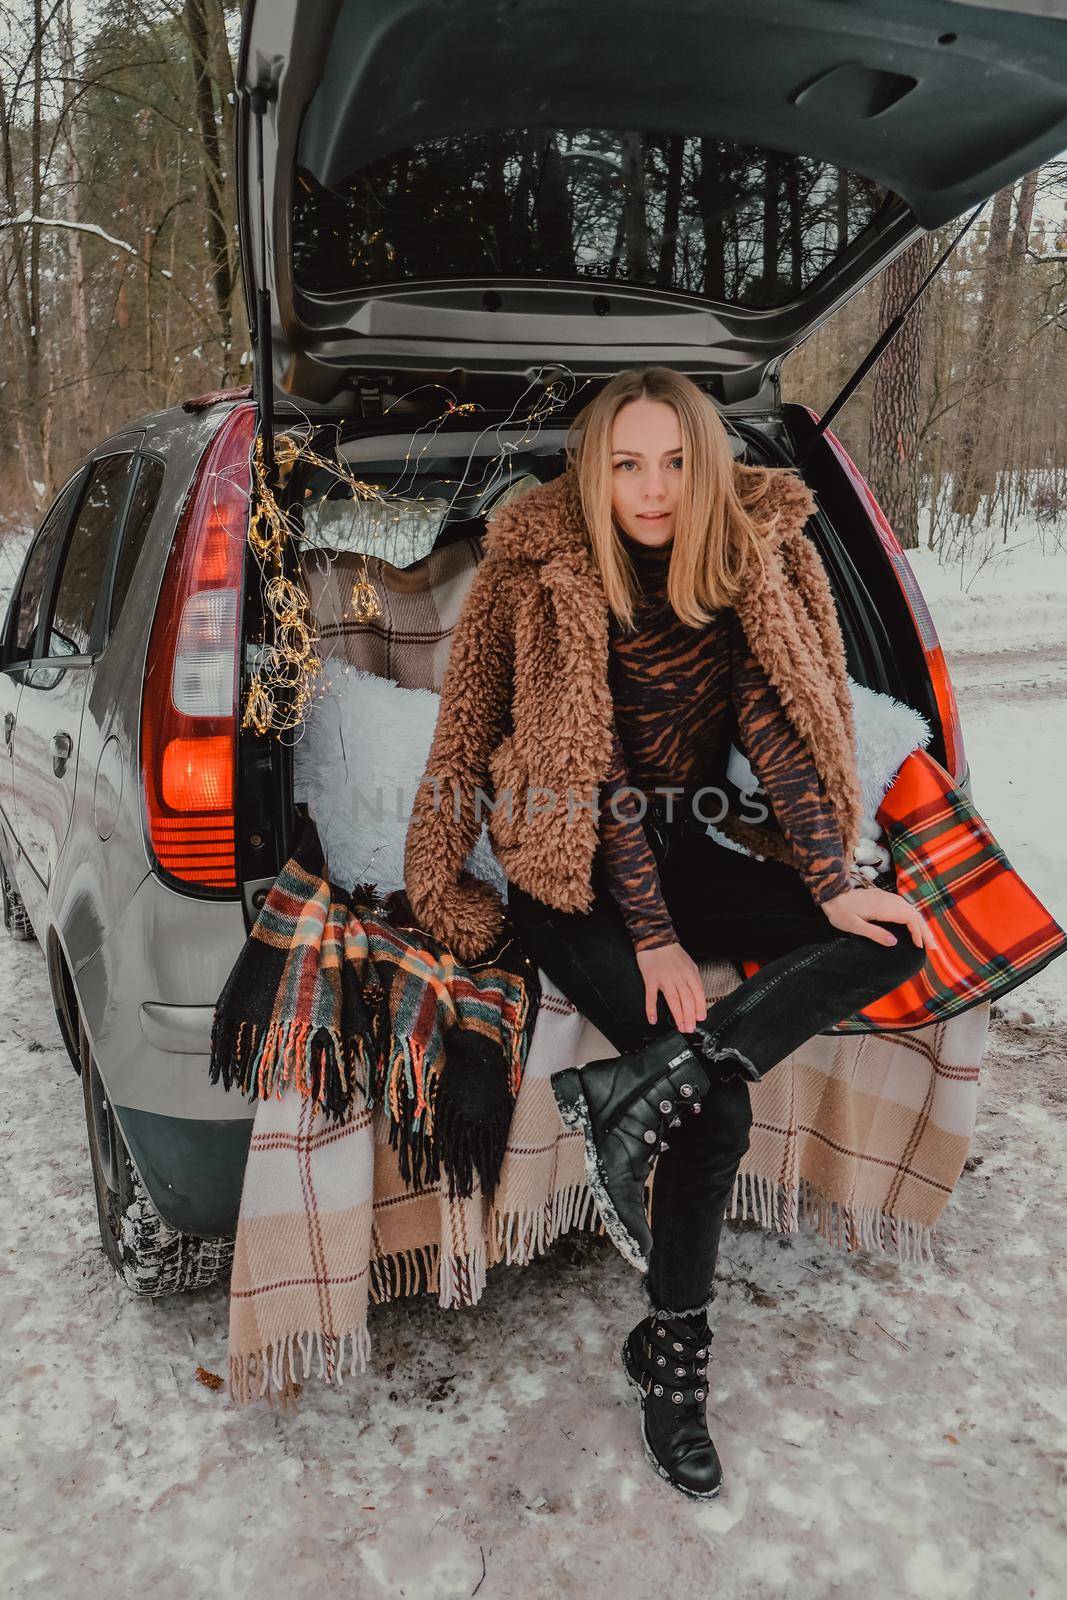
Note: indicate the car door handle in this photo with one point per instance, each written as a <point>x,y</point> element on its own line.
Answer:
<point>62,745</point>
<point>9,727</point>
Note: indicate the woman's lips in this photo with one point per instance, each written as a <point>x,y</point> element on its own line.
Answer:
<point>653,516</point>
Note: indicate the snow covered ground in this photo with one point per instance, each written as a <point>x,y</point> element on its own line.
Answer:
<point>1003,624</point>
<point>886,1431</point>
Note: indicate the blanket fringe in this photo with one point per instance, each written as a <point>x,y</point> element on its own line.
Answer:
<point>457,1278</point>
<point>264,1061</point>
<point>321,1064</point>
<point>405,1272</point>
<point>774,1205</point>
<point>272,1372</point>
<point>517,1237</point>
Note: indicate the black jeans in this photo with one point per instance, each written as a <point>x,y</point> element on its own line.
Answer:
<point>723,904</point>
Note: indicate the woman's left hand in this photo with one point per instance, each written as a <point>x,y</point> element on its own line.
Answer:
<point>860,910</point>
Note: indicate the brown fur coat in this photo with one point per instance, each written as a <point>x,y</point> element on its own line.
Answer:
<point>526,703</point>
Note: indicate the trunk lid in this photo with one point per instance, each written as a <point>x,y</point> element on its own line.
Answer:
<point>483,186</point>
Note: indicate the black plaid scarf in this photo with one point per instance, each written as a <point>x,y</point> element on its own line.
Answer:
<point>337,992</point>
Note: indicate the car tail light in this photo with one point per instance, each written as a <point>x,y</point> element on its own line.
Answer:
<point>189,722</point>
<point>936,665</point>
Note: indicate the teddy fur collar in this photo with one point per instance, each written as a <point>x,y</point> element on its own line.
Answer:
<point>548,520</point>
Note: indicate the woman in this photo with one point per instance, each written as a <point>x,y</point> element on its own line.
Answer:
<point>627,621</point>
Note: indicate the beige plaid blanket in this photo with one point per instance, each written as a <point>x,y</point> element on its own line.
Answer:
<point>862,1136</point>
<point>410,641</point>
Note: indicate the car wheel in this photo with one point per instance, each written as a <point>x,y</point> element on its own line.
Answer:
<point>16,917</point>
<point>149,1256</point>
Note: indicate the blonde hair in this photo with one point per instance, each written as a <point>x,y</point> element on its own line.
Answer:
<point>715,537</point>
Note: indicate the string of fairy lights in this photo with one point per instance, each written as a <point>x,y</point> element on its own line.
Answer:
<point>288,671</point>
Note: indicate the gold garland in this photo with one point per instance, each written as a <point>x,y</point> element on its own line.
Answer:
<point>289,670</point>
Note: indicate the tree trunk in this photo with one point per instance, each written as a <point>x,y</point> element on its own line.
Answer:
<point>673,147</point>
<point>711,221</point>
<point>771,230</point>
<point>635,222</point>
<point>79,312</point>
<point>976,429</point>
<point>796,231</point>
<point>894,428</point>
<point>221,265</point>
<point>554,227</point>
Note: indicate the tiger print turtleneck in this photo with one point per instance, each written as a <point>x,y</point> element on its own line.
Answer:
<point>681,695</point>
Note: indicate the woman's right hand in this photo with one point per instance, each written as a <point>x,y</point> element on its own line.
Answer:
<point>671,971</point>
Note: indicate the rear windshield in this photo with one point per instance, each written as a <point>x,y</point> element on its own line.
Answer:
<point>405,509</point>
<point>732,223</point>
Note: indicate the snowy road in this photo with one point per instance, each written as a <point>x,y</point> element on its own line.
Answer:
<point>887,1431</point>
<point>980,676</point>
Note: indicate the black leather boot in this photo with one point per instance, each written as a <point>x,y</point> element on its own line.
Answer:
<point>624,1106</point>
<point>666,1358</point>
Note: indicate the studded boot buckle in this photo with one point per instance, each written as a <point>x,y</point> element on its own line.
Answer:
<point>672,1369</point>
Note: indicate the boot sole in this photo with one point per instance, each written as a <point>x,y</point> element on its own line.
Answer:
<point>567,1088</point>
<point>693,1494</point>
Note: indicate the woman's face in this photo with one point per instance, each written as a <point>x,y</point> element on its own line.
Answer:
<point>646,469</point>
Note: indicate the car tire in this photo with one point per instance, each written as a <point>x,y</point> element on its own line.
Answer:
<point>16,917</point>
<point>148,1255</point>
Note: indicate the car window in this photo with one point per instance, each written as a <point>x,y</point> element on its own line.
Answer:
<point>35,572</point>
<point>143,503</point>
<point>85,560</point>
<point>739,224</point>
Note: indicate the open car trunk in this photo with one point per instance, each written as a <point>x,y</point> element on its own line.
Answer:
<point>485,188</point>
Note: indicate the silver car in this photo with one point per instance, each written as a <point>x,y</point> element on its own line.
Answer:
<point>455,220</point>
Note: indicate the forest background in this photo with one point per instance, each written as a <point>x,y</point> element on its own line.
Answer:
<point>120,287</point>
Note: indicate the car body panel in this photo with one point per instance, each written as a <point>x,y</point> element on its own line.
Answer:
<point>166,950</point>
<point>50,708</point>
<point>126,938</point>
<point>96,880</point>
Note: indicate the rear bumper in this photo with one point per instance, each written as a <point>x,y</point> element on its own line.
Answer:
<point>193,1169</point>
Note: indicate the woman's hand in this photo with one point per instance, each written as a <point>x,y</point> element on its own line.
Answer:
<point>671,971</point>
<point>852,911</point>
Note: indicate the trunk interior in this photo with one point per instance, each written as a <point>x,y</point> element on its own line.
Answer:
<point>422,541</point>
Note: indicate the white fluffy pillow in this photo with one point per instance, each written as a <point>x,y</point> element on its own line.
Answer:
<point>887,731</point>
<point>364,749</point>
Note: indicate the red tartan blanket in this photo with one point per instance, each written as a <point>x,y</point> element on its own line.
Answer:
<point>992,932</point>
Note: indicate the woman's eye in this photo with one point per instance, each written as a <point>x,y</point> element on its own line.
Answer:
<point>624,463</point>
<point>677,461</point>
